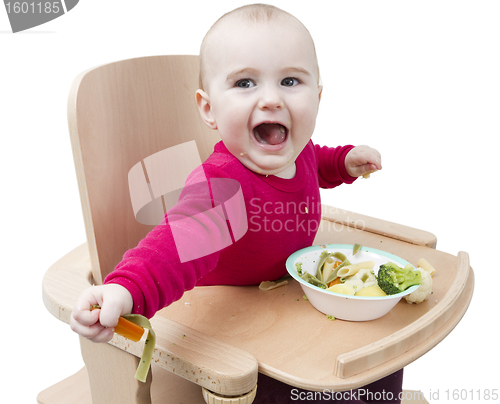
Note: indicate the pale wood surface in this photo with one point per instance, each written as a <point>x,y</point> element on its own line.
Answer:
<point>282,331</point>
<point>378,226</point>
<point>166,388</point>
<point>106,383</point>
<point>119,115</point>
<point>296,344</point>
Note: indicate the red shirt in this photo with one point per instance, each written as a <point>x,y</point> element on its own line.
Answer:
<point>282,216</point>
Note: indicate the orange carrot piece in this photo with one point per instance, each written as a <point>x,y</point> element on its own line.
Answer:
<point>336,281</point>
<point>126,328</point>
<point>129,330</point>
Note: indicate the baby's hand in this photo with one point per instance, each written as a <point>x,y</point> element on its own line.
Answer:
<point>98,325</point>
<point>362,160</point>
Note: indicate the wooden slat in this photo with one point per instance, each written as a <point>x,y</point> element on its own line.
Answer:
<point>120,114</point>
<point>378,226</point>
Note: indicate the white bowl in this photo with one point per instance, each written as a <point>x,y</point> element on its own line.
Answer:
<point>345,307</point>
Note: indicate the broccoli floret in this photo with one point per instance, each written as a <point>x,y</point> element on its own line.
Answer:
<point>392,279</point>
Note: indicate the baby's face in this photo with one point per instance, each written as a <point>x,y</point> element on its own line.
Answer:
<point>262,92</point>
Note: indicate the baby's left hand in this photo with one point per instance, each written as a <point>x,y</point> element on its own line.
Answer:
<point>362,160</point>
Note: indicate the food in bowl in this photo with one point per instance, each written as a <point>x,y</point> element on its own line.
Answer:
<point>345,302</point>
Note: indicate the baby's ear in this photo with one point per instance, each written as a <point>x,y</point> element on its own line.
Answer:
<point>203,101</point>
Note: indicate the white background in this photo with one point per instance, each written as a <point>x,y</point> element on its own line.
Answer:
<point>419,81</point>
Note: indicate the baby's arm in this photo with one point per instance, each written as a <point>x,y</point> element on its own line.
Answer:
<point>98,325</point>
<point>362,160</point>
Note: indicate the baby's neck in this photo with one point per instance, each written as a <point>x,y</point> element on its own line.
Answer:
<point>288,172</point>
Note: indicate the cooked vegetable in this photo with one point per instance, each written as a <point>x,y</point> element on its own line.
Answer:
<point>356,248</point>
<point>129,330</point>
<point>423,291</point>
<point>126,328</point>
<point>393,279</point>
<point>131,326</point>
<point>336,281</point>
<point>371,291</point>
<point>344,288</point>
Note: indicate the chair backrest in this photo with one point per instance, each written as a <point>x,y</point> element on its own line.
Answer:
<point>125,119</point>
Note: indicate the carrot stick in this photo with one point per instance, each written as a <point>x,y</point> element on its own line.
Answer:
<point>126,328</point>
<point>132,326</point>
<point>129,330</point>
<point>336,281</point>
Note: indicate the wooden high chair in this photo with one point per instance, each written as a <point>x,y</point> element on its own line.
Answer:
<point>121,115</point>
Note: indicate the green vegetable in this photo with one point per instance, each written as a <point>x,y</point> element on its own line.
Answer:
<point>393,279</point>
<point>356,248</point>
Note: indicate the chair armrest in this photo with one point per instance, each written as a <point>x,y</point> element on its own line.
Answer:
<point>212,364</point>
<point>378,226</point>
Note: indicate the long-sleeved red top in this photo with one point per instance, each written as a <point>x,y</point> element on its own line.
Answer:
<point>275,218</point>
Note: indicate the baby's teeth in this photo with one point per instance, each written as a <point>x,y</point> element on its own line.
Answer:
<point>282,129</point>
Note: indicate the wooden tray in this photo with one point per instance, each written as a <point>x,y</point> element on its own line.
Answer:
<point>283,333</point>
<point>295,343</point>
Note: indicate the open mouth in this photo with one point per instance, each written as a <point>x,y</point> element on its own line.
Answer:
<point>270,133</point>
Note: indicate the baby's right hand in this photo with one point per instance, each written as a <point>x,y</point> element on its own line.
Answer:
<point>98,325</point>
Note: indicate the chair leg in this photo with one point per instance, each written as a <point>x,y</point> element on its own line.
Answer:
<point>111,375</point>
<point>212,398</point>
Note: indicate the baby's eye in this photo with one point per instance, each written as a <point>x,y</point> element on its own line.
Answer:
<point>245,83</point>
<point>289,82</point>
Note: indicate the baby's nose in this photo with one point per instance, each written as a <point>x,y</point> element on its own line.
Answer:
<point>270,99</point>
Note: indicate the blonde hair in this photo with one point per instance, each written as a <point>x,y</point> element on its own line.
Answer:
<point>252,13</point>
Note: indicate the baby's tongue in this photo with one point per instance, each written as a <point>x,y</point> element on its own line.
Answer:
<point>270,133</point>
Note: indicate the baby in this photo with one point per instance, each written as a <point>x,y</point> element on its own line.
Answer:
<point>260,88</point>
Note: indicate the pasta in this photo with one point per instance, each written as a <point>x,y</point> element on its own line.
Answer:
<point>424,264</point>
<point>269,285</point>
<point>352,269</point>
<point>328,268</point>
<point>149,345</point>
